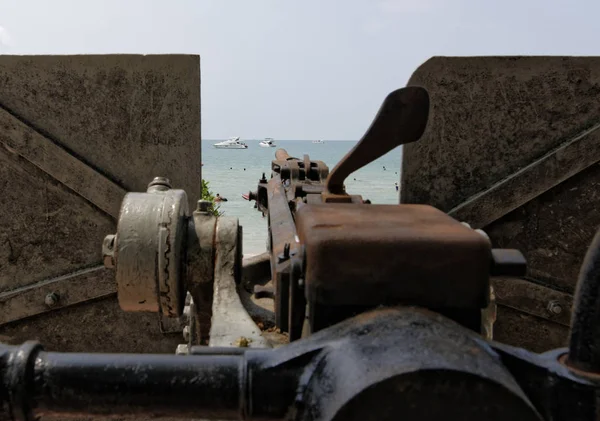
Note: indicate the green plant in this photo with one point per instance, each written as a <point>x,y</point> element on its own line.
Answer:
<point>208,195</point>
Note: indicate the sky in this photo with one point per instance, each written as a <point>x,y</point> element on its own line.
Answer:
<point>310,69</point>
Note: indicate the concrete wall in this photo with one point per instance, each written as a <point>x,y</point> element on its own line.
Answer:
<point>77,133</point>
<point>532,125</point>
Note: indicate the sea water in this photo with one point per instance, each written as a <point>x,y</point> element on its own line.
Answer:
<point>233,172</point>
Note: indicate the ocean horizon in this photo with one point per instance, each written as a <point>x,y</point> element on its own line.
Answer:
<point>233,172</point>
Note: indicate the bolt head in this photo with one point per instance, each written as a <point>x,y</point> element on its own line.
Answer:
<point>554,307</point>
<point>51,299</point>
<point>203,206</point>
<point>108,251</point>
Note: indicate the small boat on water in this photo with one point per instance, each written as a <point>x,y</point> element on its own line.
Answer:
<point>231,143</point>
<point>267,143</point>
<point>318,141</point>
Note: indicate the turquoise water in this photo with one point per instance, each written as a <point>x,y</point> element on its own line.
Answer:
<point>232,172</point>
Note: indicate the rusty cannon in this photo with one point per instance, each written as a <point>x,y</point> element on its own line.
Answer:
<point>381,311</point>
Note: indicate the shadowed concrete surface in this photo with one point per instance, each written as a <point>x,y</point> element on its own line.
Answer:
<point>512,146</point>
<point>77,133</point>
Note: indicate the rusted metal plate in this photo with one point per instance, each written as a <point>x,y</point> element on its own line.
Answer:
<point>282,237</point>
<point>534,299</point>
<point>56,293</point>
<point>414,254</point>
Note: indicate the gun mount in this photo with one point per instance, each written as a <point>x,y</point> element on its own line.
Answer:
<point>387,309</point>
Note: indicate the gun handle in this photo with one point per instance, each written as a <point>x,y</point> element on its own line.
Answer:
<point>401,119</point>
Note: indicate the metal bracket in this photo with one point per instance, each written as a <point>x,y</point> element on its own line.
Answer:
<point>51,294</point>
<point>533,299</point>
<point>231,324</point>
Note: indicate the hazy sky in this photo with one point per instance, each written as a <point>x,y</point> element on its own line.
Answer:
<point>300,69</point>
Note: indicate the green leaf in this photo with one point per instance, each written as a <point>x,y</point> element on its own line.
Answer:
<point>208,195</point>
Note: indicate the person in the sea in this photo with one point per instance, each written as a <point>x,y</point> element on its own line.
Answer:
<point>218,198</point>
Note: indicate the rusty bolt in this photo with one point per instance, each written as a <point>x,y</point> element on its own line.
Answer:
<point>203,206</point>
<point>554,307</point>
<point>108,251</point>
<point>51,299</point>
<point>159,184</point>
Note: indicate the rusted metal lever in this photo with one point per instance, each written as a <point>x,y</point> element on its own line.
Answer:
<point>282,155</point>
<point>401,119</point>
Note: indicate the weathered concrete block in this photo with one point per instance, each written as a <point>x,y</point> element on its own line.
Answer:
<point>513,147</point>
<point>77,133</point>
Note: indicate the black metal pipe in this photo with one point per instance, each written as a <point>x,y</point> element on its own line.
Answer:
<point>199,387</point>
<point>584,345</point>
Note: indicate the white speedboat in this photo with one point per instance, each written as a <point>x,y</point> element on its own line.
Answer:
<point>267,143</point>
<point>318,141</point>
<point>231,143</point>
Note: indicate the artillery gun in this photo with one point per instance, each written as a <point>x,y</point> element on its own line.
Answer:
<point>381,311</point>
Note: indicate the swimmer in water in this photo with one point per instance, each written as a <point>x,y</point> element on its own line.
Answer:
<point>218,198</point>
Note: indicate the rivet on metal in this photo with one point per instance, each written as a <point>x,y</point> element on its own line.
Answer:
<point>51,299</point>
<point>108,251</point>
<point>554,307</point>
